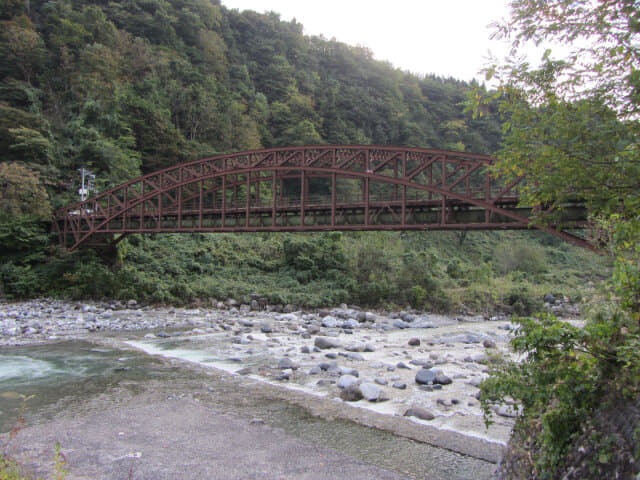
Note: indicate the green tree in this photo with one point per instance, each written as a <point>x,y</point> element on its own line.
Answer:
<point>21,48</point>
<point>604,59</point>
<point>571,128</point>
<point>31,145</point>
<point>22,193</point>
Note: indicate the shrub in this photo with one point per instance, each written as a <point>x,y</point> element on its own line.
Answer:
<point>522,301</point>
<point>418,295</point>
<point>567,379</point>
<point>521,256</point>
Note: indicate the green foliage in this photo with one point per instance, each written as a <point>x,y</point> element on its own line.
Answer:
<point>523,257</point>
<point>564,374</point>
<point>521,301</point>
<point>22,193</point>
<point>59,462</point>
<point>314,258</point>
<point>418,294</point>
<point>571,127</point>
<point>603,56</point>
<point>572,149</point>
<point>135,86</point>
<point>10,470</point>
<point>23,236</point>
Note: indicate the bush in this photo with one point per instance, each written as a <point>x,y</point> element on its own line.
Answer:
<point>521,256</point>
<point>19,281</point>
<point>478,298</point>
<point>521,301</point>
<point>418,295</point>
<point>569,378</point>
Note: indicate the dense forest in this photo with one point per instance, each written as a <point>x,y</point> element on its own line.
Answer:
<point>127,87</point>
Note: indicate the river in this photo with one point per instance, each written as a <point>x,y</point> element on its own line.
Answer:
<point>104,370</point>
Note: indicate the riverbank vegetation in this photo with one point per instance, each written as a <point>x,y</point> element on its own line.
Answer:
<point>573,127</point>
<point>438,271</point>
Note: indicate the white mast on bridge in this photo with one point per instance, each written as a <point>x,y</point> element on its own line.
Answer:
<point>87,185</point>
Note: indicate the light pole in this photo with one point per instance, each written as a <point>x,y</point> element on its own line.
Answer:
<point>87,183</point>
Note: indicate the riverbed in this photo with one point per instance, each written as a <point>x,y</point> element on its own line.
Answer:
<point>78,360</point>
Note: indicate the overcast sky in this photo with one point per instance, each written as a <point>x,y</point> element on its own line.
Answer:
<point>445,37</point>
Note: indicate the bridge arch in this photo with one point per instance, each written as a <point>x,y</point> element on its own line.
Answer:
<point>310,188</point>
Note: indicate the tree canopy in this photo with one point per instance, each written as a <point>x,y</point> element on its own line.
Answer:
<point>571,123</point>
<point>572,127</point>
<point>125,88</point>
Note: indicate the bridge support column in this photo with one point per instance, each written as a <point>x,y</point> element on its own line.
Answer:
<point>403,220</point>
<point>223,213</point>
<point>303,191</point>
<point>366,201</point>
<point>200,205</point>
<point>333,199</point>
<point>274,199</point>
<point>248,201</point>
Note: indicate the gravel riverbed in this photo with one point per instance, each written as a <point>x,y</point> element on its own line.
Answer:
<point>414,374</point>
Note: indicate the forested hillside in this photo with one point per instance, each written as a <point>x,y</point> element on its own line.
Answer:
<point>127,87</point>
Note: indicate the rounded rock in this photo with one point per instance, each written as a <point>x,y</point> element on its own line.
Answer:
<point>370,391</point>
<point>425,376</point>
<point>419,412</point>
<point>346,381</point>
<point>329,322</point>
<point>325,343</point>
<point>442,379</point>
<point>488,343</point>
<point>285,363</point>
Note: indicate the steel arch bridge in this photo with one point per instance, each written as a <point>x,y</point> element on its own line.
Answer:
<point>311,188</point>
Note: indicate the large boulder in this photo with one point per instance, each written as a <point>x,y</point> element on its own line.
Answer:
<point>285,363</point>
<point>370,391</point>
<point>425,376</point>
<point>325,343</point>
<point>345,381</point>
<point>350,323</point>
<point>329,322</point>
<point>398,323</point>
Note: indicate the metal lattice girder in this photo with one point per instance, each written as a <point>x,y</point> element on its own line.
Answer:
<point>311,188</point>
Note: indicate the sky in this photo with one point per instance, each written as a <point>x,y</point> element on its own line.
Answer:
<point>447,37</point>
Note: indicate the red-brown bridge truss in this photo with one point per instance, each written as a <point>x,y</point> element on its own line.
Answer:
<point>310,188</point>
